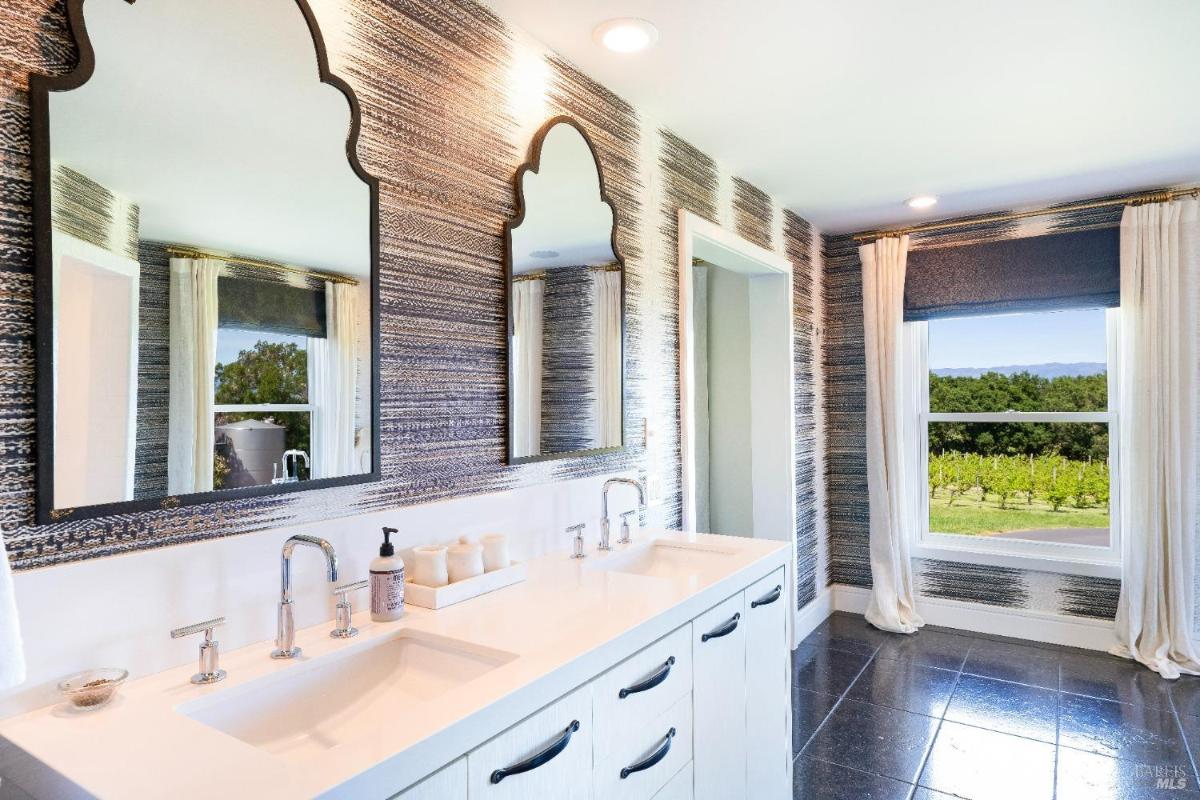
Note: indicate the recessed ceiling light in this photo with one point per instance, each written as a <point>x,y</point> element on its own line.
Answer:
<point>544,254</point>
<point>921,201</point>
<point>626,34</point>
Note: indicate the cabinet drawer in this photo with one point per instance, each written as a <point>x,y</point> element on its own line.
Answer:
<point>652,751</point>
<point>448,783</point>
<point>567,774</point>
<point>614,715</point>
<point>679,787</point>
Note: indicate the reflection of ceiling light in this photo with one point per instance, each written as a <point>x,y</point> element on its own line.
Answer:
<point>544,254</point>
<point>626,35</point>
<point>921,201</point>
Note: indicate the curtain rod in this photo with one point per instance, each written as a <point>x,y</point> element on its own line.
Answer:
<point>195,252</point>
<point>1132,199</point>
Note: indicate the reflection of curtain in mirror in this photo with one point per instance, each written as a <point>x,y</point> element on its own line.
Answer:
<point>527,297</point>
<point>332,380</point>
<point>700,442</point>
<point>606,287</point>
<point>193,295</point>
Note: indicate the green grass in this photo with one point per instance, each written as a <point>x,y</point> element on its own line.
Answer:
<point>969,516</point>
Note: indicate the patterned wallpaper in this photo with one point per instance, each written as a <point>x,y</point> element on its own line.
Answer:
<point>451,97</point>
<point>845,444</point>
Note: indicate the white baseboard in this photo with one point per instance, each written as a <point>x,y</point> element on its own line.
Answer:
<point>808,618</point>
<point>1037,626</point>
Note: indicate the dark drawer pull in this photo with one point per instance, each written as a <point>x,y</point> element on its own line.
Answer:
<point>768,598</point>
<point>654,680</point>
<point>655,757</point>
<point>541,758</point>
<point>723,630</point>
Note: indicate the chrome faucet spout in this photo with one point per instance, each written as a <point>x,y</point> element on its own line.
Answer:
<point>604,523</point>
<point>285,635</point>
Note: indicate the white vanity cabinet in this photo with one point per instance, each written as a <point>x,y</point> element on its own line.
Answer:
<point>741,695</point>
<point>701,713</point>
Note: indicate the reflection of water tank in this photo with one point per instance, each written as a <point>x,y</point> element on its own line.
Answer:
<point>252,447</point>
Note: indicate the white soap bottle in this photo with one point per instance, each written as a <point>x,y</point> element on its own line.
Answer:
<point>387,582</point>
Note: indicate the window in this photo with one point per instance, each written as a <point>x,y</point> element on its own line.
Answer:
<point>261,407</point>
<point>1018,422</point>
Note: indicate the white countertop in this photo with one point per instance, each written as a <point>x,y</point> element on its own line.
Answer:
<point>567,623</point>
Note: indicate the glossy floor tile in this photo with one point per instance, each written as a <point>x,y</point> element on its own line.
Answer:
<point>947,715</point>
<point>876,739</point>
<point>827,781</point>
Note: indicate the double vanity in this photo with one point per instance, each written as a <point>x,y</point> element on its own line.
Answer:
<point>658,669</point>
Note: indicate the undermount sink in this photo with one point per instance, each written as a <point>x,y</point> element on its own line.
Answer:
<point>663,559</point>
<point>313,707</point>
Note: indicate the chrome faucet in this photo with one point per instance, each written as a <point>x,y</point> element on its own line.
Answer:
<point>608,484</point>
<point>291,473</point>
<point>285,635</point>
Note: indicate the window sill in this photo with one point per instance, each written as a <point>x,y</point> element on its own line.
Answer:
<point>1036,556</point>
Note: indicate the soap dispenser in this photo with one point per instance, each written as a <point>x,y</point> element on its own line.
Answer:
<point>387,582</point>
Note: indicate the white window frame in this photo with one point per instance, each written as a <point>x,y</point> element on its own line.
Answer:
<point>1041,556</point>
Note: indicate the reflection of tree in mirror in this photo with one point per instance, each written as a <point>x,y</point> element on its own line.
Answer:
<point>270,372</point>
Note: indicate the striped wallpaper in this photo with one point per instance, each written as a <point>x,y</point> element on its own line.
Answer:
<point>444,129</point>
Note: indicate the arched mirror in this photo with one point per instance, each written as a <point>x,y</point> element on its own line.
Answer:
<point>566,304</point>
<point>207,258</point>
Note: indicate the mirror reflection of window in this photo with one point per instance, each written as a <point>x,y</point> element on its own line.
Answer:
<point>566,306</point>
<point>211,258</point>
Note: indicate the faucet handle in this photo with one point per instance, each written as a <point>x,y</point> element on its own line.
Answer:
<point>625,532</point>
<point>210,655</point>
<point>577,530</point>
<point>344,629</point>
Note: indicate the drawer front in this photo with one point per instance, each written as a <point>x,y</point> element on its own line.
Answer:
<point>768,693</point>
<point>651,746</point>
<point>679,787</point>
<point>448,783</point>
<point>614,715</point>
<point>566,774</point>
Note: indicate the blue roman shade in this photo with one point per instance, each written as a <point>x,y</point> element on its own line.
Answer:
<point>270,306</point>
<point>1079,269</point>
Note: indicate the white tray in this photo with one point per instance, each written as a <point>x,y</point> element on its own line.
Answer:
<point>442,596</point>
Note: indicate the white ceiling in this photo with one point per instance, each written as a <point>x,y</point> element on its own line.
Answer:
<point>842,110</point>
<point>212,118</point>
<point>564,214</point>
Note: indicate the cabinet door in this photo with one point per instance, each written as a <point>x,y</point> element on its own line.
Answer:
<point>768,690</point>
<point>719,701</point>
<point>549,754</point>
<point>448,783</point>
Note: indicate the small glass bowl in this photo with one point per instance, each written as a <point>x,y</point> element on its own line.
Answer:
<point>93,688</point>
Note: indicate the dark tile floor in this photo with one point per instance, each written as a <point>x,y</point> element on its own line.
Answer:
<point>948,714</point>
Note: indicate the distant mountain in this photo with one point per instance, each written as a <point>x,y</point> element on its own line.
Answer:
<point>1052,370</point>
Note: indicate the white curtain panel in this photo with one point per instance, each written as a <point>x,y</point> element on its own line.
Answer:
<point>332,382</point>
<point>1160,298</point>
<point>606,315</point>
<point>890,436</point>
<point>528,296</point>
<point>193,299</point>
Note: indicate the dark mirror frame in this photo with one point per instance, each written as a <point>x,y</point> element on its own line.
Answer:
<point>40,88</point>
<point>532,165</point>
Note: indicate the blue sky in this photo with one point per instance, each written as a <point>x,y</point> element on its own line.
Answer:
<point>1062,336</point>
